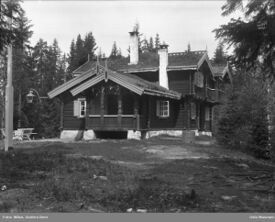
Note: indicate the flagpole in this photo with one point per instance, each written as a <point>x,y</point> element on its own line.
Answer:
<point>9,99</point>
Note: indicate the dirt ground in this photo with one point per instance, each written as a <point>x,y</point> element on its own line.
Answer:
<point>213,178</point>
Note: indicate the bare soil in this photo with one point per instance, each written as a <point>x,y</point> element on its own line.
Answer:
<point>161,174</point>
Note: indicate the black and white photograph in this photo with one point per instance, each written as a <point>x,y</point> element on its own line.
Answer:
<point>138,108</point>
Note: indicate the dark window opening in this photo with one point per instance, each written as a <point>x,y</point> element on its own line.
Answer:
<point>111,134</point>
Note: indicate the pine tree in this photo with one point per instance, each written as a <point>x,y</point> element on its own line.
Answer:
<point>157,41</point>
<point>89,46</point>
<point>9,9</point>
<point>119,54</point>
<point>219,55</point>
<point>81,56</point>
<point>243,117</point>
<point>151,44</point>
<point>114,52</point>
<point>144,45</point>
<point>81,51</point>
<point>72,58</point>
<point>253,40</point>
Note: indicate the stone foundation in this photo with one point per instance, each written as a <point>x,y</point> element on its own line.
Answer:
<point>136,135</point>
<point>150,134</point>
<point>71,135</point>
<point>74,135</point>
<point>204,133</point>
<point>89,135</point>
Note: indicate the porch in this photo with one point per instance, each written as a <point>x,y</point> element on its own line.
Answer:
<point>115,122</point>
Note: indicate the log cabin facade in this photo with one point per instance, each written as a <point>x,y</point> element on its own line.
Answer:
<point>145,95</point>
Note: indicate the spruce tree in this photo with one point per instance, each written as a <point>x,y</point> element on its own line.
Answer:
<point>72,58</point>
<point>157,41</point>
<point>219,55</point>
<point>151,44</point>
<point>89,46</point>
<point>253,41</point>
<point>114,52</point>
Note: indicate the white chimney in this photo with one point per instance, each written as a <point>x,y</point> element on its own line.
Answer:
<point>133,48</point>
<point>163,63</point>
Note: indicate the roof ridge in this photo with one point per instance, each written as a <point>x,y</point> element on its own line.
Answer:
<point>197,52</point>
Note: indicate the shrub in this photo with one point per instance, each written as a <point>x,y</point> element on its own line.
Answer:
<point>243,123</point>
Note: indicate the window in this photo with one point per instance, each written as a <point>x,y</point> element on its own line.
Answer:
<point>193,111</point>
<point>80,107</point>
<point>207,113</point>
<point>163,108</point>
<point>198,79</point>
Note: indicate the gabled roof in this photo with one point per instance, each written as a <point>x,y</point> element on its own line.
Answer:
<point>73,82</point>
<point>149,62</point>
<point>131,82</point>
<point>221,70</point>
<point>188,58</point>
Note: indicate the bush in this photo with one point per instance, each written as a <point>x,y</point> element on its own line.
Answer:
<point>243,123</point>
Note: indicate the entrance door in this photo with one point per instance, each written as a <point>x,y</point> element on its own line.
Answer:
<point>202,118</point>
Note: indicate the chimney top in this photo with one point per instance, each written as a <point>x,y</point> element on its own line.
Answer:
<point>163,46</point>
<point>133,33</point>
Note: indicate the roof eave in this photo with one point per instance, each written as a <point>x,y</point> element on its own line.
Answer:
<point>71,83</point>
<point>138,70</point>
<point>178,68</point>
<point>205,58</point>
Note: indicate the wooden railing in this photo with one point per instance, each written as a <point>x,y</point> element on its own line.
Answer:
<point>114,122</point>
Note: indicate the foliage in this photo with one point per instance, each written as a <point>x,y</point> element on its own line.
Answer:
<point>116,52</point>
<point>243,122</point>
<point>121,190</point>
<point>19,165</point>
<point>157,41</point>
<point>81,50</point>
<point>9,9</point>
<point>41,67</point>
<point>253,37</point>
<point>219,55</point>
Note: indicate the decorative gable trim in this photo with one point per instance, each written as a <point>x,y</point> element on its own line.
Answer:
<point>203,59</point>
<point>87,84</point>
<point>73,82</point>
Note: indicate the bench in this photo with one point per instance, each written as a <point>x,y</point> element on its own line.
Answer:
<point>21,133</point>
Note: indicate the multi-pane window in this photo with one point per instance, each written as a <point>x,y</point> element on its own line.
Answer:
<point>193,111</point>
<point>207,113</point>
<point>163,108</point>
<point>80,107</point>
<point>198,79</point>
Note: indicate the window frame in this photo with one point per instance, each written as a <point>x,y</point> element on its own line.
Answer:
<point>207,113</point>
<point>163,108</point>
<point>193,111</point>
<point>78,110</point>
<point>80,100</point>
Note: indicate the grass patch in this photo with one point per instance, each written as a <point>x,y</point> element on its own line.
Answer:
<point>22,165</point>
<point>112,186</point>
<point>5,206</point>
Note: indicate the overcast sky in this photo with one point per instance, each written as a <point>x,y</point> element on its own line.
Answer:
<point>177,22</point>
